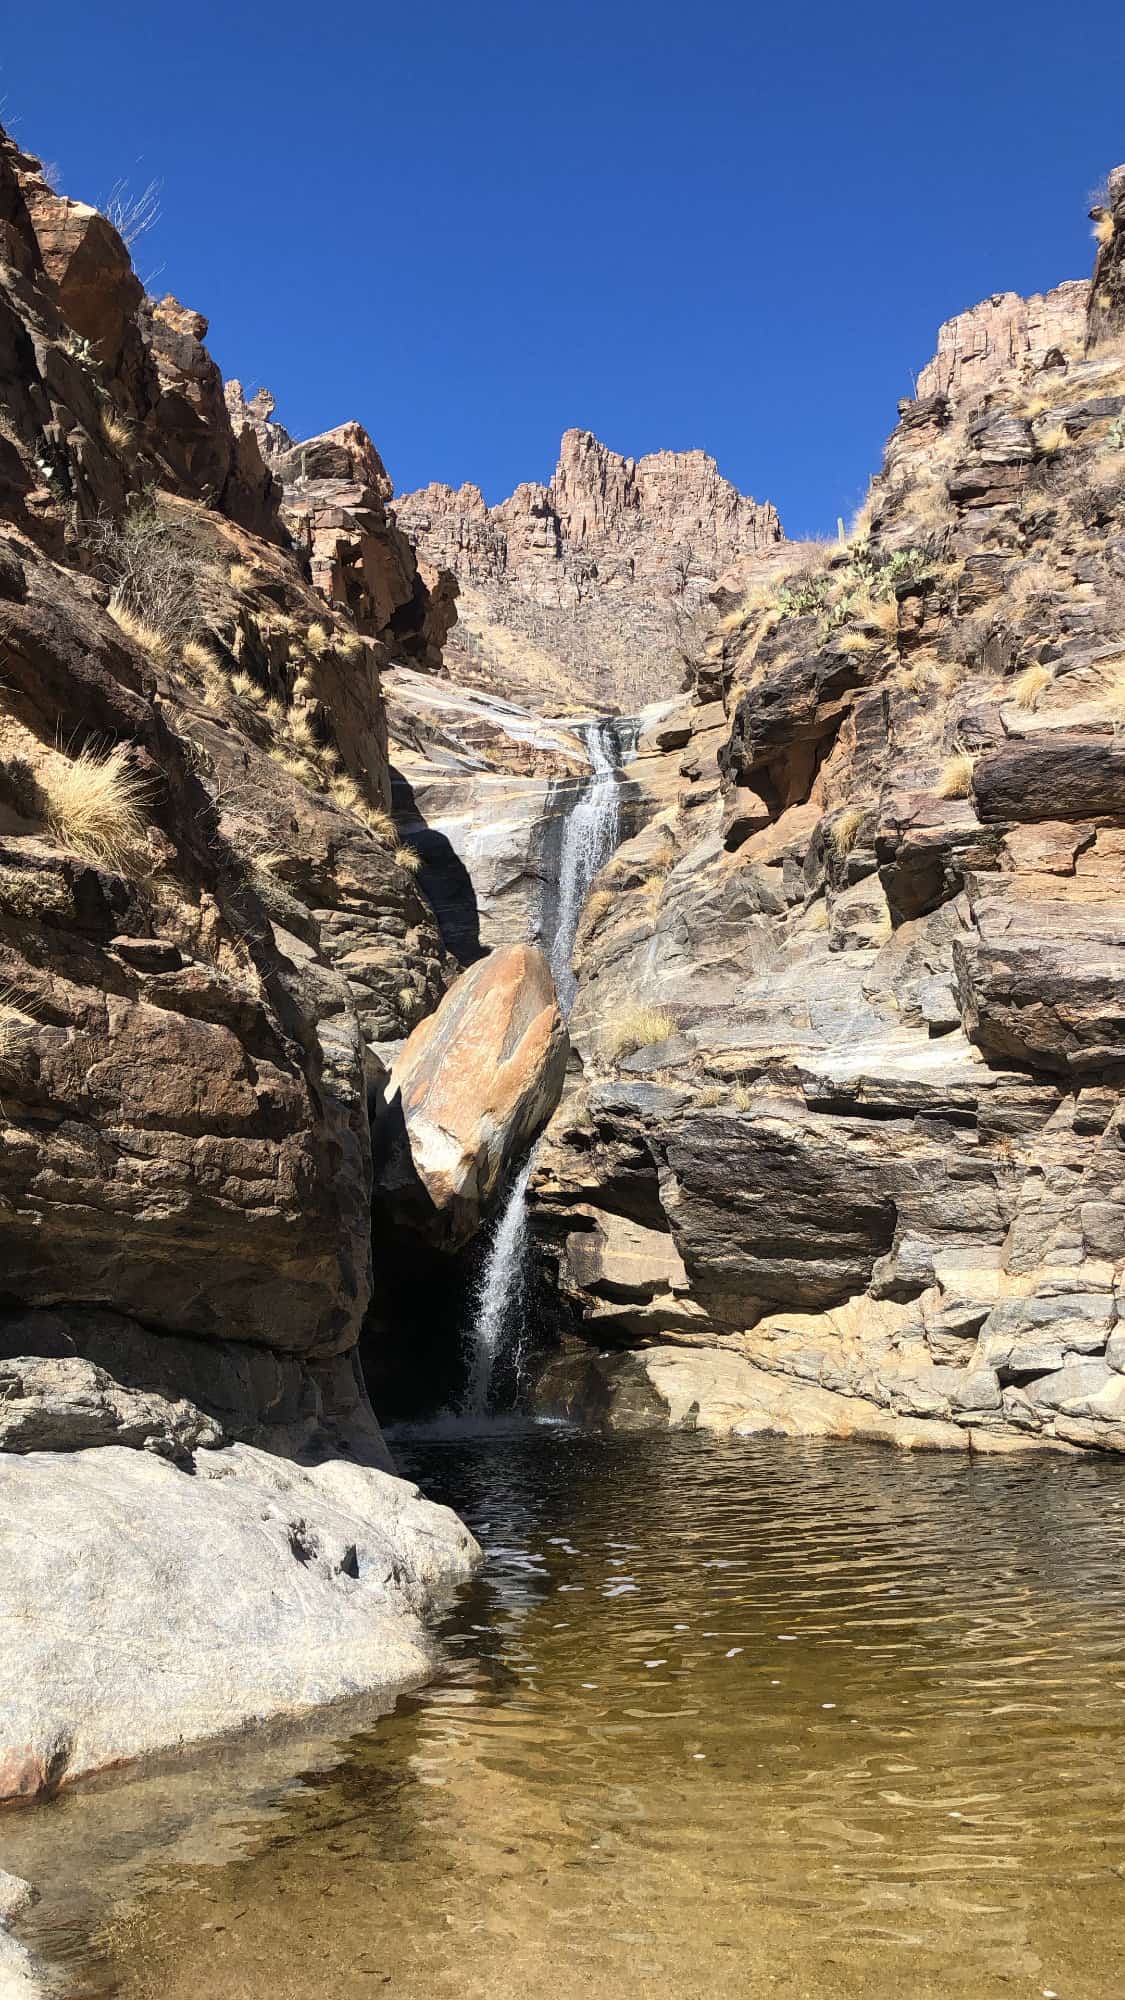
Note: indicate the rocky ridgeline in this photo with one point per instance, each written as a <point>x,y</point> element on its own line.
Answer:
<point>211,929</point>
<point>587,590</point>
<point>848,1155</point>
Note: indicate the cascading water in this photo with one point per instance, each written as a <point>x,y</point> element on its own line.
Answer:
<point>590,833</point>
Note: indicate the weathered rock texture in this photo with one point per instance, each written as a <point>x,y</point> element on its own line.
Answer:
<point>848,1155</point>
<point>191,982</point>
<point>474,1085</point>
<point>587,589</point>
<point>154,1607</point>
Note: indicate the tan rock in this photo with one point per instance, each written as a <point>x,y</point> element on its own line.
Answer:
<point>474,1085</point>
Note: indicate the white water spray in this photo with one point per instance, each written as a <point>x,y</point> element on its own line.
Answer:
<point>589,836</point>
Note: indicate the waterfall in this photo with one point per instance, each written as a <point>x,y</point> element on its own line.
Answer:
<point>590,833</point>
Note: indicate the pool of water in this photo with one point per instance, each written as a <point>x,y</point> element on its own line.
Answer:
<point>750,1717</point>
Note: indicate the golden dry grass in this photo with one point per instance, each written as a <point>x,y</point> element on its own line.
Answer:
<point>94,805</point>
<point>597,906</point>
<point>743,1097</point>
<point>845,828</point>
<point>147,637</point>
<point>706,1100</point>
<point>351,647</point>
<point>241,578</point>
<point>1104,229</point>
<point>15,1027</point>
<point>637,1027</point>
<point>118,432</point>
<point>1028,686</point>
<point>318,639</point>
<point>951,675</point>
<point>854,641</point>
<point>1051,442</point>
<point>955,778</point>
<point>198,658</point>
<point>377,822</point>
<point>408,858</point>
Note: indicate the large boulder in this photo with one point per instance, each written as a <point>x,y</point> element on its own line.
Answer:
<point>150,1607</point>
<point>475,1083</point>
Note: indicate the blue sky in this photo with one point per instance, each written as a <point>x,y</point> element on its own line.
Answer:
<point>724,225</point>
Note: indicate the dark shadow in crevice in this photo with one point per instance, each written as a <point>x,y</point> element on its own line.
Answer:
<point>443,879</point>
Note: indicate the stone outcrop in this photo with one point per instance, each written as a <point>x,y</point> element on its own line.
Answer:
<point>333,492</point>
<point>587,589</point>
<point>846,1158</point>
<point>208,921</point>
<point>257,1588</point>
<point>473,1086</point>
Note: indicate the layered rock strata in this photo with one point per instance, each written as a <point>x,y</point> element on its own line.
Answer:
<point>587,589</point>
<point>847,1158</point>
<point>208,920</point>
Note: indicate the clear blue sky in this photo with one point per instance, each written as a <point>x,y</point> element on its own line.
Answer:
<point>720,224</point>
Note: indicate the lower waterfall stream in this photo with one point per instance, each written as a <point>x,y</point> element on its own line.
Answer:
<point>590,833</point>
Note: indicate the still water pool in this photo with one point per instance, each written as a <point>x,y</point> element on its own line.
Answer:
<point>716,1718</point>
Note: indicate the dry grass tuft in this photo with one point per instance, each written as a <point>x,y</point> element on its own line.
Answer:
<point>117,431</point>
<point>241,578</point>
<point>637,1027</point>
<point>94,805</point>
<point>706,1100</point>
<point>148,637</point>
<point>408,858</point>
<point>743,1097</point>
<point>845,829</point>
<point>351,647</point>
<point>1051,442</point>
<point>955,779</point>
<point>199,659</point>
<point>318,639</point>
<point>15,1027</point>
<point>854,641</point>
<point>597,906</point>
<point>1028,686</point>
<point>950,676</point>
<point>1105,228</point>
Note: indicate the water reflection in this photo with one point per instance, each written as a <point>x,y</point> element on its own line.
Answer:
<point>763,1718</point>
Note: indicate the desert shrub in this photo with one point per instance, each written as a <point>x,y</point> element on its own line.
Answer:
<point>636,1027</point>
<point>845,829</point>
<point>1028,686</point>
<point>956,777</point>
<point>158,570</point>
<point>93,804</point>
<point>408,858</point>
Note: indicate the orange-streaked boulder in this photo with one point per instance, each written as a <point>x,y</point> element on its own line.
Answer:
<point>474,1085</point>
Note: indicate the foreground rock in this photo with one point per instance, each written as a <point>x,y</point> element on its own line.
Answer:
<point>153,1608</point>
<point>474,1085</point>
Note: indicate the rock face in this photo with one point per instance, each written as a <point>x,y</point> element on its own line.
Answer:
<point>207,919</point>
<point>154,1607</point>
<point>587,588</point>
<point>847,1154</point>
<point>474,1085</point>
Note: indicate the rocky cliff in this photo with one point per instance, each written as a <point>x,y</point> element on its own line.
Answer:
<point>847,1157</point>
<point>212,934</point>
<point>587,590</point>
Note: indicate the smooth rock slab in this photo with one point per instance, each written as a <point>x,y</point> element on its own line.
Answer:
<point>143,1607</point>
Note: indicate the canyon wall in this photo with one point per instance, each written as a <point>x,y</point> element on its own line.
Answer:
<point>587,591</point>
<point>212,940</point>
<point>847,1153</point>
